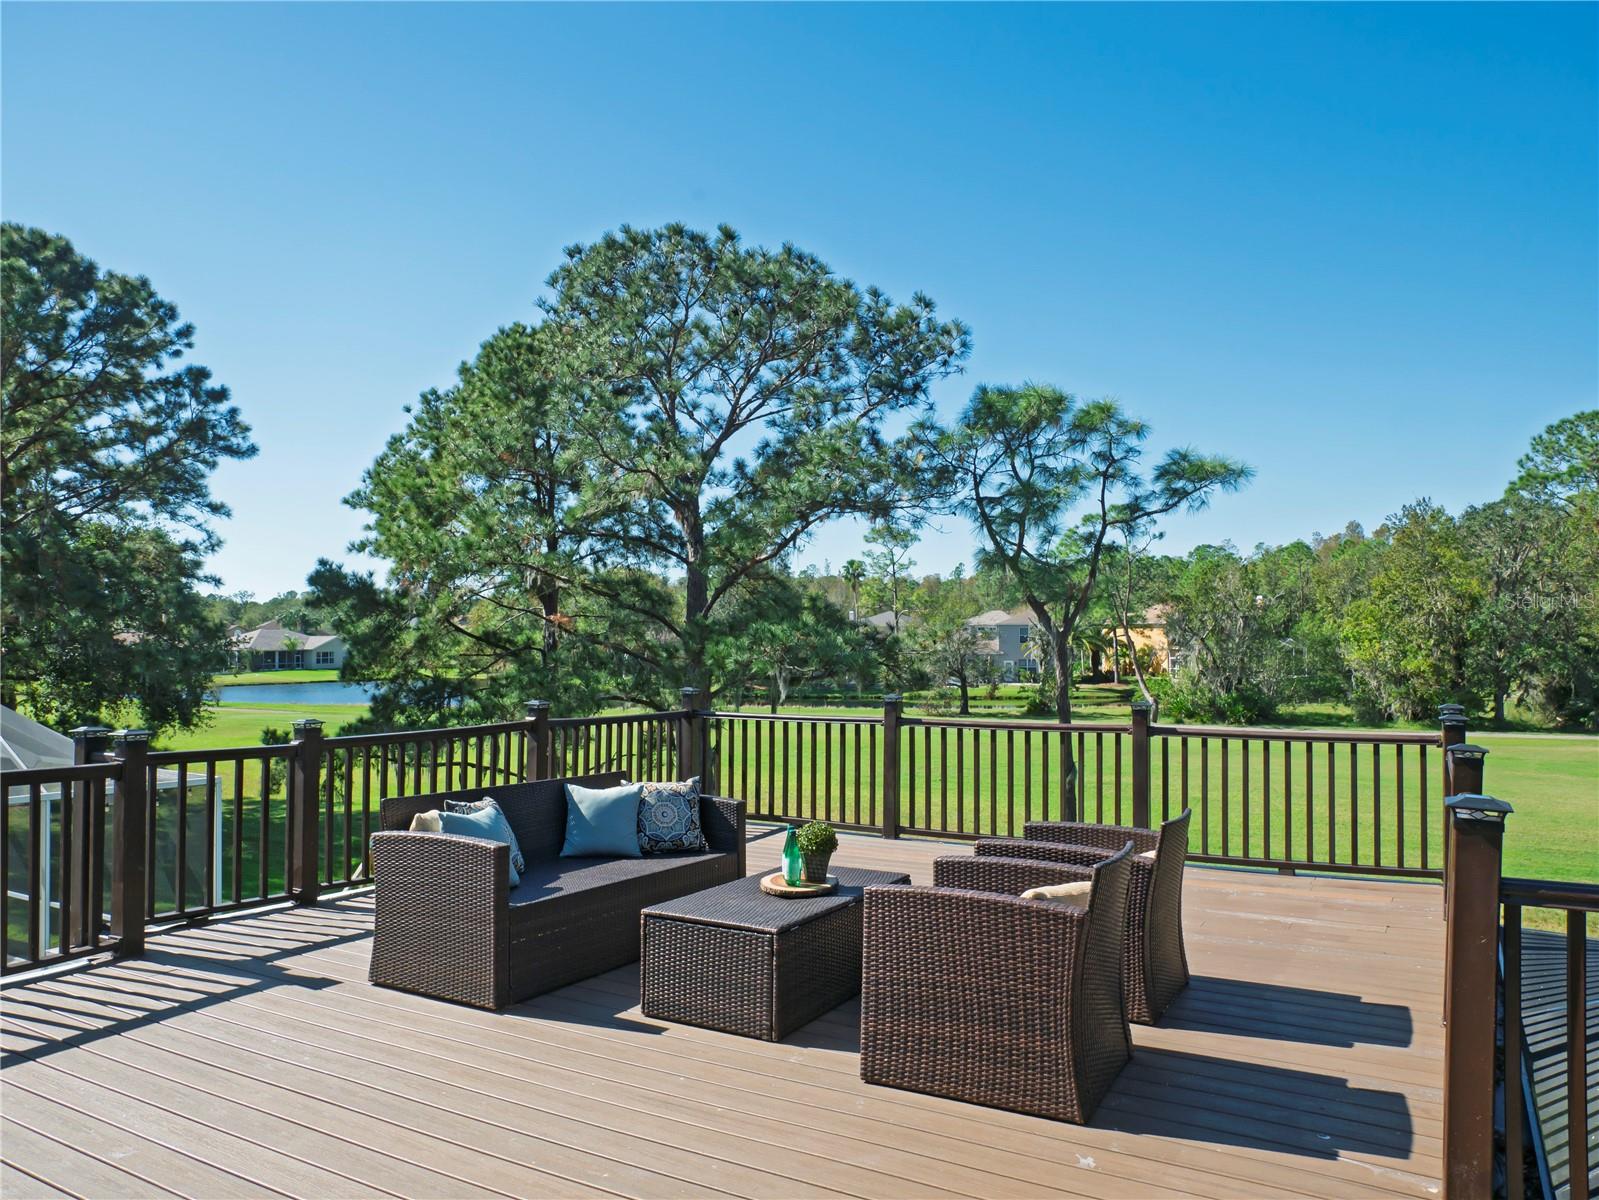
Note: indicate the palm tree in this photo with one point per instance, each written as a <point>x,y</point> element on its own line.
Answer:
<point>854,575</point>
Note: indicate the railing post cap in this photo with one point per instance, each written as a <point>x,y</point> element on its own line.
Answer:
<point>308,725</point>
<point>892,698</point>
<point>1143,706</point>
<point>1451,712</point>
<point>690,691</point>
<point>131,735</point>
<point>1473,806</point>
<point>1467,750</point>
<point>534,707</point>
<point>89,731</point>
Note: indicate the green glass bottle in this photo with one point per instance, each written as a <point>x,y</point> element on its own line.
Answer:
<point>793,860</point>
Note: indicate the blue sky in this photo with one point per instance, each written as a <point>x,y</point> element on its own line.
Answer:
<point>1354,246</point>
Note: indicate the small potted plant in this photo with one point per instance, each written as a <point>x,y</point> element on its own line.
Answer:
<point>817,841</point>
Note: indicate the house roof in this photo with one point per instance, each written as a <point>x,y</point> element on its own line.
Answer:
<point>998,616</point>
<point>1153,617</point>
<point>885,620</point>
<point>272,636</point>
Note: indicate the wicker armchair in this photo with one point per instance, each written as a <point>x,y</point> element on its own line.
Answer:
<point>970,992</point>
<point>1156,967</point>
<point>445,924</point>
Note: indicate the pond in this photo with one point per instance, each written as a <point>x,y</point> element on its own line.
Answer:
<point>319,694</point>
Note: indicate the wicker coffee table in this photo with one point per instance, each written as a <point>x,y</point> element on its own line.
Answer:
<point>735,959</point>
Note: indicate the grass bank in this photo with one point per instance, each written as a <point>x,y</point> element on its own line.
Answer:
<point>244,677</point>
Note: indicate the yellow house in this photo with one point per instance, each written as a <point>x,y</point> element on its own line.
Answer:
<point>1147,634</point>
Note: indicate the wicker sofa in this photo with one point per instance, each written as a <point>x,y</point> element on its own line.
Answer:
<point>1156,967</point>
<point>447,925</point>
<point>971,992</point>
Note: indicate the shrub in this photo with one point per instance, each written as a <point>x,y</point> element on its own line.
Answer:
<point>817,838</point>
<point>1189,699</point>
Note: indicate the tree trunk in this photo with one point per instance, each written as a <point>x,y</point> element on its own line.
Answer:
<point>966,697</point>
<point>550,602</point>
<point>696,603</point>
<point>1499,704</point>
<point>1063,680</point>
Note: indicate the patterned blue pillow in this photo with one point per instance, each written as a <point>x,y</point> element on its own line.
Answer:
<point>669,817</point>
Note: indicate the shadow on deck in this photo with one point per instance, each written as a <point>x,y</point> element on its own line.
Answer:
<point>250,1057</point>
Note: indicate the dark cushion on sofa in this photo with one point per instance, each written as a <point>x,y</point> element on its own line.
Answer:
<point>550,879</point>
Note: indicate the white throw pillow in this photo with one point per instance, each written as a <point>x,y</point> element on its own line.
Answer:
<point>1072,895</point>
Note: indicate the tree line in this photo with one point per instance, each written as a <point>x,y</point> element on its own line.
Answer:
<point>606,505</point>
<point>1498,603</point>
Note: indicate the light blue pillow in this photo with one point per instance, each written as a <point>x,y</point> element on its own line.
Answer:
<point>518,863</point>
<point>602,822</point>
<point>489,823</point>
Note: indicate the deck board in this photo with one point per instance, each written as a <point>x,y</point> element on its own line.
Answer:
<point>249,1057</point>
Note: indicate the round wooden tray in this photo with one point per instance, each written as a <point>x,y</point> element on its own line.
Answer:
<point>775,885</point>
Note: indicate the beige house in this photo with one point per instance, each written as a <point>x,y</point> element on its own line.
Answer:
<point>271,647</point>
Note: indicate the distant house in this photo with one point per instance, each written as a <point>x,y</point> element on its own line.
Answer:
<point>271,647</point>
<point>1148,634</point>
<point>885,621</point>
<point>1007,639</point>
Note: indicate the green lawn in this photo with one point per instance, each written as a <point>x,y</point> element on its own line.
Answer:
<point>241,724</point>
<point>1110,701</point>
<point>306,676</point>
<point>1553,784</point>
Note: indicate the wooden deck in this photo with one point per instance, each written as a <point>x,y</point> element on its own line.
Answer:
<point>250,1057</point>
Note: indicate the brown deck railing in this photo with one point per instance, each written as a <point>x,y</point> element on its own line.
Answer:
<point>1322,800</point>
<point>219,829</point>
<point>1352,801</point>
<point>1550,1037</point>
<point>55,848</point>
<point>642,746</point>
<point>1521,1017</point>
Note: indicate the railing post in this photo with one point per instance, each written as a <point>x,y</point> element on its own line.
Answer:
<point>890,814</point>
<point>306,765</point>
<point>1140,752</point>
<point>690,737</point>
<point>1465,768</point>
<point>89,742</point>
<point>1452,732</point>
<point>1462,762</point>
<point>536,762</point>
<point>1477,829</point>
<point>129,886</point>
<point>1463,765</point>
